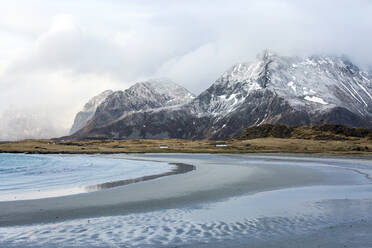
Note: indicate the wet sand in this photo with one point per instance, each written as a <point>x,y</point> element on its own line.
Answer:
<point>213,179</point>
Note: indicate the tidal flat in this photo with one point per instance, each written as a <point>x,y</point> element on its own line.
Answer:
<point>257,200</point>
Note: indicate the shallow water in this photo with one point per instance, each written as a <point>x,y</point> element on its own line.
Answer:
<point>29,176</point>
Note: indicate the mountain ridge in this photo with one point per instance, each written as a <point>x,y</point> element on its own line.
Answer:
<point>271,90</point>
<point>142,96</point>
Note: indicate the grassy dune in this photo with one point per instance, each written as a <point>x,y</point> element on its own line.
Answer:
<point>331,139</point>
<point>257,145</point>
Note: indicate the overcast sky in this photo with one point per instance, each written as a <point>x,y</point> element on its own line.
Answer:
<point>56,55</point>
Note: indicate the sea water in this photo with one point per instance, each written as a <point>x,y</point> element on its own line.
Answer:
<point>32,176</point>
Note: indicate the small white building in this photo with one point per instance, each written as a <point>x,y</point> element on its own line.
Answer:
<point>221,144</point>
<point>163,146</point>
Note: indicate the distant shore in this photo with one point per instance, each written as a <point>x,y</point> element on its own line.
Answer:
<point>350,146</point>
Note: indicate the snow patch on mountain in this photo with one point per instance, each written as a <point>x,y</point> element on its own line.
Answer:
<point>292,85</point>
<point>315,99</point>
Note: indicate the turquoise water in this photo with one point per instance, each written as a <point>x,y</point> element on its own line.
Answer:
<point>26,176</point>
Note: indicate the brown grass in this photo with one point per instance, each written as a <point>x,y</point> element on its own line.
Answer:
<point>260,145</point>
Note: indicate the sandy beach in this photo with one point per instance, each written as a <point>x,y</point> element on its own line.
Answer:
<point>209,181</point>
<point>217,179</point>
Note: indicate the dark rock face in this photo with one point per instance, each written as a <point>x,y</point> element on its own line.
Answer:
<point>271,90</point>
<point>262,107</point>
<point>179,124</point>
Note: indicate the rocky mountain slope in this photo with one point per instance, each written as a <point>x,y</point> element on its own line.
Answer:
<point>88,111</point>
<point>286,90</point>
<point>142,97</point>
<point>273,90</point>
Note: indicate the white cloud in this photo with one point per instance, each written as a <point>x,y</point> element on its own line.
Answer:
<point>63,23</point>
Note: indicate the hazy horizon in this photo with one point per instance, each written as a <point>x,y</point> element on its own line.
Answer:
<point>56,55</point>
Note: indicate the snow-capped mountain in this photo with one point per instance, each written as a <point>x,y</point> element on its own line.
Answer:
<point>88,111</point>
<point>272,89</point>
<point>312,84</point>
<point>142,96</point>
<point>287,90</point>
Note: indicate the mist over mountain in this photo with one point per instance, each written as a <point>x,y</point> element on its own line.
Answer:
<point>17,125</point>
<point>272,89</point>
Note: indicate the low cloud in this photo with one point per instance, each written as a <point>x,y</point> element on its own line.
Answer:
<point>20,124</point>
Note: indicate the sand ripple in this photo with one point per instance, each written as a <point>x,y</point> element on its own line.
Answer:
<point>179,227</point>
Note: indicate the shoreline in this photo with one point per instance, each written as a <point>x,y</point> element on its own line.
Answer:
<point>325,154</point>
<point>176,168</point>
<point>180,169</point>
<point>299,153</point>
<point>347,153</point>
